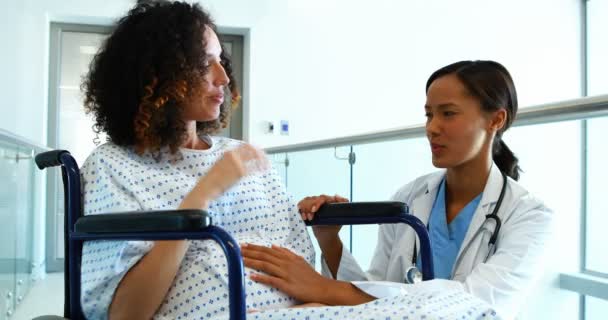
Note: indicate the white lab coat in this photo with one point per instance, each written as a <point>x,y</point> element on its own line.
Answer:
<point>504,281</point>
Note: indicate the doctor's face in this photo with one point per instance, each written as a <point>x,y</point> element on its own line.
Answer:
<point>456,127</point>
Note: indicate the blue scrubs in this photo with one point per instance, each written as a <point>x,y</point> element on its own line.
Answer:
<point>446,239</point>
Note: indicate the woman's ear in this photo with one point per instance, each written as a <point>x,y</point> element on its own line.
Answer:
<point>498,120</point>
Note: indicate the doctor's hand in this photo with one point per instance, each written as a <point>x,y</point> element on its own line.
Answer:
<point>309,206</point>
<point>286,271</point>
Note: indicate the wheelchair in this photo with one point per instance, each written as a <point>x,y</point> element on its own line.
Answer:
<point>192,225</point>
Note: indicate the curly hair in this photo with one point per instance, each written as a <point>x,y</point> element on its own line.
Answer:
<point>147,70</point>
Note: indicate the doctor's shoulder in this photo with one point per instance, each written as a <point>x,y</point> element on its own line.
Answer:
<point>525,205</point>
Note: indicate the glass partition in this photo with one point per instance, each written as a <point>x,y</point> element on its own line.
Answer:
<point>597,207</point>
<point>315,172</point>
<point>381,169</point>
<point>595,309</point>
<point>550,156</point>
<point>24,222</point>
<point>16,214</point>
<point>595,259</point>
<point>8,174</point>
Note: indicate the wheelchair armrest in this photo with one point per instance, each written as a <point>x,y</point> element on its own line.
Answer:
<point>332,212</point>
<point>376,213</point>
<point>144,221</point>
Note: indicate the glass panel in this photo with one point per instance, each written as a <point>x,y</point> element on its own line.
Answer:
<point>381,169</point>
<point>24,219</point>
<point>597,207</point>
<point>550,156</point>
<point>8,212</point>
<point>595,309</point>
<point>320,172</point>
<point>57,230</point>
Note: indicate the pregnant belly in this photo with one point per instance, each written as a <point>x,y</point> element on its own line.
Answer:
<point>200,288</point>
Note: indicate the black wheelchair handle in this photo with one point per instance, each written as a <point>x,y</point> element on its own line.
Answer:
<point>49,158</point>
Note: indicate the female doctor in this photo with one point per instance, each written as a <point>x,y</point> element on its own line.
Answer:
<point>469,105</point>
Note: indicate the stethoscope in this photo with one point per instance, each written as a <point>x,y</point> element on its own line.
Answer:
<point>413,275</point>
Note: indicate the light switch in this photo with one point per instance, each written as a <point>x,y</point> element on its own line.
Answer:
<point>284,127</point>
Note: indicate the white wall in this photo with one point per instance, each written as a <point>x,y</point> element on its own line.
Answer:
<point>334,68</point>
<point>318,63</point>
<point>24,35</point>
<point>597,47</point>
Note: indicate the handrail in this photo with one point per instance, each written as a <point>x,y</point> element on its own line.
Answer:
<point>9,137</point>
<point>576,109</point>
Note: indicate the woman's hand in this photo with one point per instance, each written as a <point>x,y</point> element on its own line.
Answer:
<point>234,165</point>
<point>285,271</point>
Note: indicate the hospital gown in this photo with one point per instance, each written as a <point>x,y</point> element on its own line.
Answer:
<point>429,305</point>
<point>256,210</point>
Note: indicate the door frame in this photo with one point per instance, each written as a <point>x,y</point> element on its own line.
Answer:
<point>54,187</point>
<point>245,33</point>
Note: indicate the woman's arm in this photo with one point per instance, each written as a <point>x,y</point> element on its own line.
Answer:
<point>145,285</point>
<point>161,264</point>
<point>143,288</point>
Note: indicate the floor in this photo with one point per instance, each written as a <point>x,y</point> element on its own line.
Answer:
<point>44,298</point>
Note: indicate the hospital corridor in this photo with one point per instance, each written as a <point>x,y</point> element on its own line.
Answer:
<point>303,159</point>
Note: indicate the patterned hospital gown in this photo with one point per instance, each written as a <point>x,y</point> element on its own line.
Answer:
<point>256,210</point>
<point>430,305</point>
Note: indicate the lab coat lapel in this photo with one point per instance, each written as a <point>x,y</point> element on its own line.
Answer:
<point>486,204</point>
<point>422,204</point>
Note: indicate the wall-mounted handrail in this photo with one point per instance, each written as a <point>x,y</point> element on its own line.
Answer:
<point>9,137</point>
<point>576,109</point>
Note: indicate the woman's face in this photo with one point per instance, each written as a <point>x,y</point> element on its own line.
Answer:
<point>205,105</point>
<point>457,129</point>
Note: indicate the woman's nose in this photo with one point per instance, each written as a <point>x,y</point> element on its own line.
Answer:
<point>219,76</point>
<point>432,126</point>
